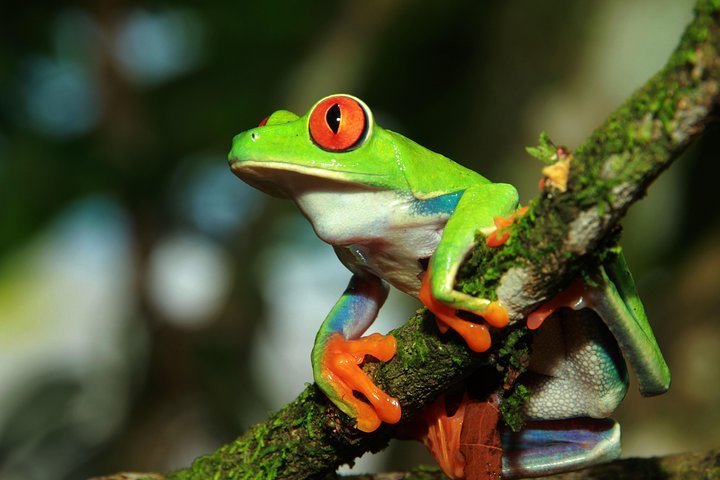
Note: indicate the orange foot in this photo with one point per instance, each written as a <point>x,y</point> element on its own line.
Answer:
<point>502,228</point>
<point>476,335</point>
<point>341,369</point>
<point>572,297</point>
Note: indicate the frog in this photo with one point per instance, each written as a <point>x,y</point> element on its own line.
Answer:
<point>398,214</point>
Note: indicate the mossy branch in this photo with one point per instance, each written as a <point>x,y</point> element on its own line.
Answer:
<point>563,232</point>
<point>695,465</point>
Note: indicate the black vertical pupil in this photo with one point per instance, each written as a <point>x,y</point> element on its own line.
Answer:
<point>332,117</point>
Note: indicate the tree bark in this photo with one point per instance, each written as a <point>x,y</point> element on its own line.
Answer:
<point>563,233</point>
<point>694,465</point>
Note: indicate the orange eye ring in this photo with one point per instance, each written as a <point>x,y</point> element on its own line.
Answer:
<point>338,123</point>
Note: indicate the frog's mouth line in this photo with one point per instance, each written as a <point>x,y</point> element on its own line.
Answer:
<point>279,178</point>
<point>326,170</point>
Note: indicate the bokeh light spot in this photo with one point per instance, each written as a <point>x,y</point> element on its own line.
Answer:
<point>214,200</point>
<point>153,47</point>
<point>61,97</point>
<point>189,279</point>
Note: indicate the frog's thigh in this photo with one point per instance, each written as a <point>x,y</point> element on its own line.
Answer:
<point>576,368</point>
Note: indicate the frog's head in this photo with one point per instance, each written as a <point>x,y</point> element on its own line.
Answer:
<point>336,143</point>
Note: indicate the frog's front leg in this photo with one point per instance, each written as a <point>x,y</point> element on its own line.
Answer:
<point>339,351</point>
<point>476,210</point>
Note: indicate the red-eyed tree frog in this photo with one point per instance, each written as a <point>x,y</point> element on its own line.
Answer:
<point>397,213</point>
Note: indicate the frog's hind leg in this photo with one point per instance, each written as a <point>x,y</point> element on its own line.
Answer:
<point>576,378</point>
<point>576,368</point>
<point>617,302</point>
<point>577,371</point>
<point>612,295</point>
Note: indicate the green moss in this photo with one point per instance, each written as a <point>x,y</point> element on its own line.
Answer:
<point>255,455</point>
<point>512,359</point>
<point>413,354</point>
<point>515,349</point>
<point>480,275</point>
<point>511,407</point>
<point>529,243</point>
<point>637,137</point>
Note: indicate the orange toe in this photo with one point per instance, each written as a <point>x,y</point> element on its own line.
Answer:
<point>571,297</point>
<point>497,238</point>
<point>476,335</point>
<point>502,228</point>
<point>382,347</point>
<point>341,362</point>
<point>496,315</point>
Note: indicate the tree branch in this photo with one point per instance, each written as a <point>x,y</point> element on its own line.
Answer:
<point>560,235</point>
<point>695,465</point>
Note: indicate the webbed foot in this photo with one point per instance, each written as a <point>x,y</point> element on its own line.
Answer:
<point>341,376</point>
<point>476,335</point>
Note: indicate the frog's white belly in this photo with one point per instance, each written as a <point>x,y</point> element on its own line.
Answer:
<point>376,231</point>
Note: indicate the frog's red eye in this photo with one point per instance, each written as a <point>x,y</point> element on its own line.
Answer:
<point>263,122</point>
<point>338,123</point>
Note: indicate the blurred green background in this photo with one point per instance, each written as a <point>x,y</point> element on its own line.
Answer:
<point>152,306</point>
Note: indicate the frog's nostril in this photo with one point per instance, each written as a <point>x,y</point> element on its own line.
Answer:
<point>254,136</point>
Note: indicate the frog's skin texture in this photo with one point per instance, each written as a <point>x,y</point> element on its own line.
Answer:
<point>389,206</point>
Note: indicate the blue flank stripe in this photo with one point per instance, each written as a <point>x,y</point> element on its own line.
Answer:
<point>444,204</point>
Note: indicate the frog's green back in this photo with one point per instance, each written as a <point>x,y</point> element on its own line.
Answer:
<point>430,174</point>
